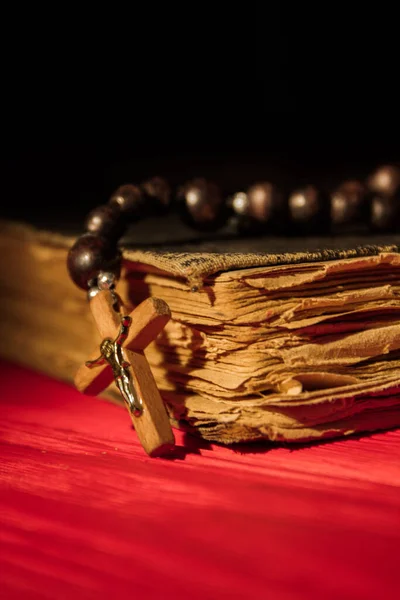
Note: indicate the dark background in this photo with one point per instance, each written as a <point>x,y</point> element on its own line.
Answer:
<point>292,96</point>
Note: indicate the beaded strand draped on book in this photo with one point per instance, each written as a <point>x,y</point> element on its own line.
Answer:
<point>283,345</point>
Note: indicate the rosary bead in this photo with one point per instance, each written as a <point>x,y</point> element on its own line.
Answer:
<point>349,203</point>
<point>106,281</point>
<point>265,201</point>
<point>309,211</point>
<point>258,210</point>
<point>385,181</point>
<point>129,200</point>
<point>105,221</point>
<point>201,205</point>
<point>239,203</point>
<point>157,195</point>
<point>89,256</point>
<point>384,213</point>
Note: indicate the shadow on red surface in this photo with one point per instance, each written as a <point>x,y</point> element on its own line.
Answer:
<point>85,514</point>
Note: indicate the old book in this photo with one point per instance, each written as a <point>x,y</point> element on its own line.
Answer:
<point>274,345</point>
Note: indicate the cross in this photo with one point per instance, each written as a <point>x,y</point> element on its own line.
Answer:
<point>122,359</point>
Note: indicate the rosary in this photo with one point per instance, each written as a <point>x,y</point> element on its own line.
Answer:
<point>94,264</point>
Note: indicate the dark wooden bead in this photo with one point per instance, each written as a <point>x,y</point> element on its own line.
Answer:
<point>309,211</point>
<point>129,200</point>
<point>241,219</point>
<point>89,255</point>
<point>157,195</point>
<point>106,221</point>
<point>349,204</point>
<point>201,205</point>
<point>384,213</point>
<point>265,201</point>
<point>259,210</point>
<point>385,181</point>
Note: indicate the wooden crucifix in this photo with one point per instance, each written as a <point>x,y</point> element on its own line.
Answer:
<point>122,359</point>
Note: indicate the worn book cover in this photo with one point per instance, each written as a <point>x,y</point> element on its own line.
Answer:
<point>294,340</point>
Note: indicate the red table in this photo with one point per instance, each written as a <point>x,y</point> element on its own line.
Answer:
<point>85,514</point>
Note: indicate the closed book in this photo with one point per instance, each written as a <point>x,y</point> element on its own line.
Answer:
<point>283,340</point>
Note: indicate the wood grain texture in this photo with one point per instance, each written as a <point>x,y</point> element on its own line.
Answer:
<point>84,513</point>
<point>106,318</point>
<point>148,320</point>
<point>152,426</point>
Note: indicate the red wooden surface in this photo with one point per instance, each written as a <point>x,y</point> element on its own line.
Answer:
<point>85,514</point>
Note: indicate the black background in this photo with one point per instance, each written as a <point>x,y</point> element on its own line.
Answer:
<point>294,96</point>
